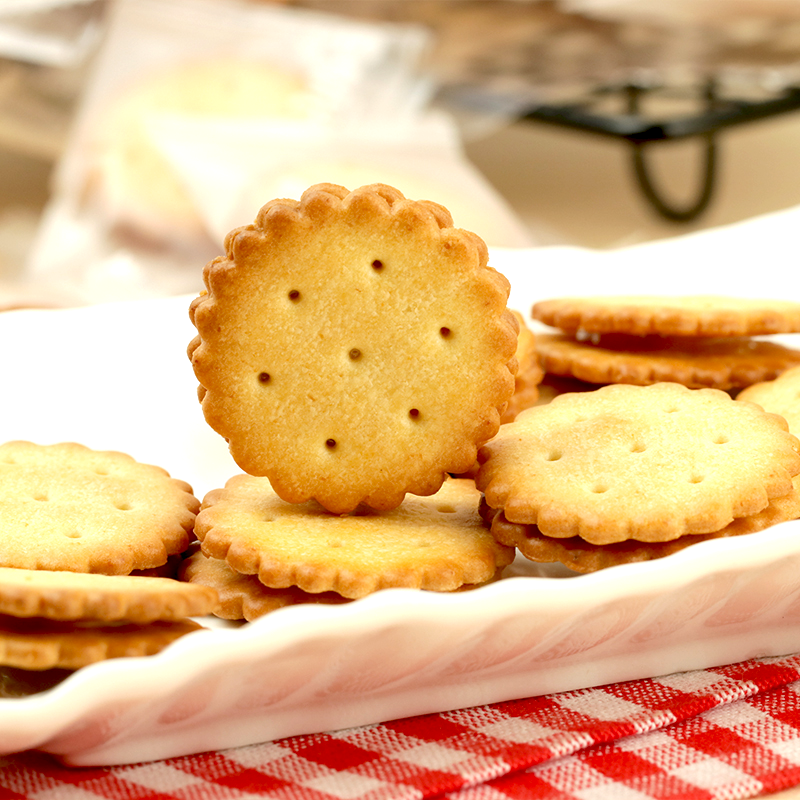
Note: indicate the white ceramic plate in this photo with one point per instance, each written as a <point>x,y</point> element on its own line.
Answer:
<point>116,377</point>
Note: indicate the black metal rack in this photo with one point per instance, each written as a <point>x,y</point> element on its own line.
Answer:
<point>642,131</point>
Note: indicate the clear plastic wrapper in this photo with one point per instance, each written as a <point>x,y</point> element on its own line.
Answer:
<point>54,33</point>
<point>196,113</point>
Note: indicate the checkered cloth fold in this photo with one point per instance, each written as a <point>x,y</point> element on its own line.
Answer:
<point>730,732</point>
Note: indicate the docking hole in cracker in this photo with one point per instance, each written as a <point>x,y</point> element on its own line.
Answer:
<point>353,347</point>
<point>650,463</point>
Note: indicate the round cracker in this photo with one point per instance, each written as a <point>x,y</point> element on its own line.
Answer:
<point>78,596</point>
<point>582,556</point>
<point>244,596</point>
<point>437,543</point>
<point>68,507</point>
<point>687,315</point>
<point>779,396</point>
<point>694,362</point>
<point>43,644</point>
<point>353,347</point>
<point>529,374</point>
<point>650,463</point>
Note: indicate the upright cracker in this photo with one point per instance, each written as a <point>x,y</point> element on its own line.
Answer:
<point>650,463</point>
<point>68,507</point>
<point>353,346</point>
<point>728,363</point>
<point>685,315</point>
<point>437,543</point>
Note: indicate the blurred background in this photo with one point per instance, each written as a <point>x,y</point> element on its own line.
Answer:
<point>135,133</point>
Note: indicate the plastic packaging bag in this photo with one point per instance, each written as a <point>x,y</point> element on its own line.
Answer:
<point>197,113</point>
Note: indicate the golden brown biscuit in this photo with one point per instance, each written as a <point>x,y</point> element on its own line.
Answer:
<point>244,596</point>
<point>526,383</point>
<point>779,396</point>
<point>650,463</point>
<point>688,315</point>
<point>69,596</point>
<point>582,556</point>
<point>42,644</point>
<point>67,507</point>
<point>437,543</point>
<point>529,374</point>
<point>353,347</point>
<point>693,361</point>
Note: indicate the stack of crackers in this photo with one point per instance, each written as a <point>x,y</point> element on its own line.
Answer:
<point>653,454</point>
<point>697,341</point>
<point>90,547</point>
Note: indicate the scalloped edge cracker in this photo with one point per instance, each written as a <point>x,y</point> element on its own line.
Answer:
<point>45,644</point>
<point>650,463</point>
<point>353,346</point>
<point>529,374</point>
<point>582,556</point>
<point>93,511</point>
<point>724,363</point>
<point>244,596</point>
<point>438,543</point>
<point>681,315</point>
<point>779,396</point>
<point>70,596</point>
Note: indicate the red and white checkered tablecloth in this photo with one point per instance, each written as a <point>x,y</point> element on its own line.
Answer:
<point>730,732</point>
